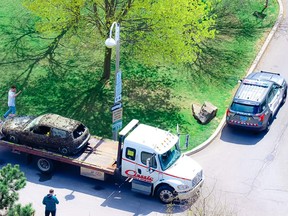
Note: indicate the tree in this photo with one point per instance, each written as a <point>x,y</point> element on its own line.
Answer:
<point>175,27</point>
<point>11,181</point>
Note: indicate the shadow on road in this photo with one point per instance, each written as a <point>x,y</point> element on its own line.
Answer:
<point>240,137</point>
<point>114,195</point>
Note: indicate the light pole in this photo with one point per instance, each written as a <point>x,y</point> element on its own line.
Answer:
<point>117,110</point>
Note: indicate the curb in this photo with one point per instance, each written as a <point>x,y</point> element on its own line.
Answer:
<point>252,68</point>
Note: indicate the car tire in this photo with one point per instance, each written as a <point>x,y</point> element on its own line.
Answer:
<point>13,139</point>
<point>45,165</point>
<point>166,194</point>
<point>268,126</point>
<point>284,98</point>
<point>64,150</point>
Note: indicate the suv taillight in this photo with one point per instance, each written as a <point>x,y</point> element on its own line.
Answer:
<point>228,112</point>
<point>260,117</point>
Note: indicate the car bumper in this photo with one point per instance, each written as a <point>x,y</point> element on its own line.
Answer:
<point>246,127</point>
<point>83,143</point>
<point>188,194</point>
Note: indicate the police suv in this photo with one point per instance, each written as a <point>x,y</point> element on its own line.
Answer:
<point>257,101</point>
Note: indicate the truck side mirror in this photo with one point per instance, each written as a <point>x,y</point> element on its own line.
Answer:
<point>148,164</point>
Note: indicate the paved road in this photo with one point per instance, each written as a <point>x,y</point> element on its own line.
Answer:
<point>78,195</point>
<point>248,173</point>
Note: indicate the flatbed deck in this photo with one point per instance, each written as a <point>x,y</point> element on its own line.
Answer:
<point>100,154</point>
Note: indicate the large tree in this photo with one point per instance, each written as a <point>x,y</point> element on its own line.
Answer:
<point>152,31</point>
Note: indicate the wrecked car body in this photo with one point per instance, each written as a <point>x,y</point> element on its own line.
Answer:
<point>49,131</point>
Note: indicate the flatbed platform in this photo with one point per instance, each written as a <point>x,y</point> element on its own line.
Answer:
<point>100,154</point>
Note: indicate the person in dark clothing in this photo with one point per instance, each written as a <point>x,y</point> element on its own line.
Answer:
<point>50,201</point>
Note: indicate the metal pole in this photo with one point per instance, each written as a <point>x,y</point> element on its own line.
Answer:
<point>117,69</point>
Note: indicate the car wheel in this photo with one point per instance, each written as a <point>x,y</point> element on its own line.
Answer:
<point>45,165</point>
<point>268,126</point>
<point>64,150</point>
<point>284,98</point>
<point>166,194</point>
<point>13,139</point>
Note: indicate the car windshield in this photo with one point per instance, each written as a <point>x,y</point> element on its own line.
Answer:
<point>252,109</point>
<point>168,158</point>
<point>33,123</point>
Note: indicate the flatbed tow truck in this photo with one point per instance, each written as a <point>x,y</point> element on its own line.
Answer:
<point>149,156</point>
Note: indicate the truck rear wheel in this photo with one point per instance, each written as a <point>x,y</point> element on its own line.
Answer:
<point>166,194</point>
<point>45,165</point>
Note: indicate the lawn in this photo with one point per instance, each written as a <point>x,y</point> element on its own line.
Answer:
<point>159,96</point>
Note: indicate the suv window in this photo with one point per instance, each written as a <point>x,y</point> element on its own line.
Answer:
<point>272,92</point>
<point>252,109</point>
<point>59,133</point>
<point>43,130</point>
<point>79,131</point>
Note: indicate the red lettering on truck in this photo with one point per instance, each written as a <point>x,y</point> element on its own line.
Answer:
<point>135,175</point>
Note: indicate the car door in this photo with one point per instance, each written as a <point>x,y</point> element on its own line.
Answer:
<point>61,140</point>
<point>38,137</point>
<point>273,97</point>
<point>150,175</point>
<point>278,95</point>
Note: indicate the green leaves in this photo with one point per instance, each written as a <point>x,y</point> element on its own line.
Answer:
<point>11,180</point>
<point>169,30</point>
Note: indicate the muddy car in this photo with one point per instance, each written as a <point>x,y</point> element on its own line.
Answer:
<point>49,131</point>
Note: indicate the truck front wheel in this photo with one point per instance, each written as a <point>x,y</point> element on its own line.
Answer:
<point>166,194</point>
<point>45,165</point>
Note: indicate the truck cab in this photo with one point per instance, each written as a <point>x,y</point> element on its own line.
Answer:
<point>152,158</point>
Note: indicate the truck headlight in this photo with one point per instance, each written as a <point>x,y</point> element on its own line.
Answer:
<point>182,187</point>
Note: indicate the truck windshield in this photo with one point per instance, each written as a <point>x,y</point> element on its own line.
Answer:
<point>168,158</point>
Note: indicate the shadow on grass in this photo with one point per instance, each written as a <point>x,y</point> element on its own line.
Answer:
<point>146,97</point>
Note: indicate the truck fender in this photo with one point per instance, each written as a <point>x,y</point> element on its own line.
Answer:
<point>171,182</point>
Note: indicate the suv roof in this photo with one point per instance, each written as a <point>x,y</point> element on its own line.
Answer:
<point>254,88</point>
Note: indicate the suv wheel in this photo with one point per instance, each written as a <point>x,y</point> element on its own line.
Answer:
<point>284,98</point>
<point>269,124</point>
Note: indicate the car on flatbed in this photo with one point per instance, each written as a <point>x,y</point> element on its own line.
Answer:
<point>257,100</point>
<point>49,131</point>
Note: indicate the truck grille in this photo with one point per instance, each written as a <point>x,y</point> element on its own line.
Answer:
<point>197,179</point>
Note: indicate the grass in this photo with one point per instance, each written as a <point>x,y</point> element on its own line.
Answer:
<point>159,96</point>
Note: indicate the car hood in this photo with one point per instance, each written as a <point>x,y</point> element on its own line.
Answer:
<point>185,168</point>
<point>16,123</point>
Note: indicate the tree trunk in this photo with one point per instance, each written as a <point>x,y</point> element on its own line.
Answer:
<point>107,64</point>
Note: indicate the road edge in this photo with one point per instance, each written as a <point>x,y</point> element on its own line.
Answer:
<point>251,69</point>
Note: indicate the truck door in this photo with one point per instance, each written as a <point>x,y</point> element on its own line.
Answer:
<point>148,174</point>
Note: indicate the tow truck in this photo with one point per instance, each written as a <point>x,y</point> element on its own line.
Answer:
<point>147,156</point>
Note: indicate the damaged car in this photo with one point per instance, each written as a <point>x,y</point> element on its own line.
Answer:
<point>49,131</point>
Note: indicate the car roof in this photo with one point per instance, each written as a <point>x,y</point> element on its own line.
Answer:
<point>252,91</point>
<point>57,121</point>
<point>255,87</point>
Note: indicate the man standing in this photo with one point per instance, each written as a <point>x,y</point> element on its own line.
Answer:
<point>50,202</point>
<point>11,101</point>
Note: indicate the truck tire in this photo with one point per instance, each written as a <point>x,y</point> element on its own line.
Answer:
<point>13,139</point>
<point>45,165</point>
<point>166,194</point>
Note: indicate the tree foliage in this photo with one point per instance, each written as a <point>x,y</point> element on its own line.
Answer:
<point>152,31</point>
<point>11,181</point>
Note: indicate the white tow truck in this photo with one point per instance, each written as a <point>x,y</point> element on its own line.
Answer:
<point>150,157</point>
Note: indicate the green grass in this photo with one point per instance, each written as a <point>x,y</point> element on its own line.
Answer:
<point>159,96</point>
